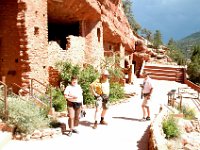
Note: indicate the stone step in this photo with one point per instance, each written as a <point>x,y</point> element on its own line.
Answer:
<point>5,137</point>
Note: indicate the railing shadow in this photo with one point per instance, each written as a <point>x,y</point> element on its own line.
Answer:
<point>125,118</point>
<point>143,143</point>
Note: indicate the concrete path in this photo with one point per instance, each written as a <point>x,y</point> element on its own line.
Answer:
<point>124,131</point>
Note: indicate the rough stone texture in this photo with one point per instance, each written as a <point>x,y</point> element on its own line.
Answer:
<point>36,28</point>
<point>95,28</point>
<point>156,136</point>
<point>40,134</point>
<point>23,41</point>
<point>9,42</point>
<point>74,53</point>
<point>25,28</point>
<point>54,77</point>
<point>189,139</point>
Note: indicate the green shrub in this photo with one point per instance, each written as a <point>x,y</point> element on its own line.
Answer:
<point>25,115</point>
<point>116,92</point>
<point>189,113</point>
<point>86,77</point>
<point>58,100</point>
<point>170,127</point>
<point>67,70</point>
<point>116,75</point>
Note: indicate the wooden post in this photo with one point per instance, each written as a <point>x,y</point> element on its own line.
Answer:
<point>180,105</point>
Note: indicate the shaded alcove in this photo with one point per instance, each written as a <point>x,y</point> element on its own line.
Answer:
<point>58,32</point>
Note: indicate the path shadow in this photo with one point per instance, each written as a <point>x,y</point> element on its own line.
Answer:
<point>64,129</point>
<point>125,118</point>
<point>86,123</point>
<point>67,132</point>
<point>143,143</point>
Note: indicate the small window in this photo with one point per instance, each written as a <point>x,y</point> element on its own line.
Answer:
<point>110,47</point>
<point>98,34</point>
<point>36,30</point>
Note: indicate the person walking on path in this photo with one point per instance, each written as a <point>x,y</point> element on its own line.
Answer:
<point>147,89</point>
<point>101,90</point>
<point>74,97</point>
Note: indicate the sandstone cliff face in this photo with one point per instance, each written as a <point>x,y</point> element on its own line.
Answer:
<point>115,24</point>
<point>97,26</point>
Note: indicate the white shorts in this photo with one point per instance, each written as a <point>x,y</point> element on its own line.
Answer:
<point>146,102</point>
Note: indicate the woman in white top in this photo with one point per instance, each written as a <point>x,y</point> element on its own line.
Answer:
<point>73,94</point>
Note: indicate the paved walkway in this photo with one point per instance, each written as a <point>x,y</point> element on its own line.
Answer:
<point>125,130</point>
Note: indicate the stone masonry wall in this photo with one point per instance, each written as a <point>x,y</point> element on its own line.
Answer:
<point>157,139</point>
<point>23,37</point>
<point>9,42</point>
<point>36,30</point>
<point>93,43</point>
<point>74,53</point>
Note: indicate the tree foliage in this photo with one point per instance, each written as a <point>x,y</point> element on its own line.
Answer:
<point>194,67</point>
<point>157,39</point>
<point>175,53</point>
<point>127,5</point>
<point>147,34</point>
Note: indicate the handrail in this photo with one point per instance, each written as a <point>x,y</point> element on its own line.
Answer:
<point>30,91</point>
<point>20,87</point>
<point>48,87</point>
<point>5,100</point>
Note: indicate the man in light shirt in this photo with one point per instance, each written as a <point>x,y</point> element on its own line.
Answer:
<point>147,89</point>
<point>101,90</point>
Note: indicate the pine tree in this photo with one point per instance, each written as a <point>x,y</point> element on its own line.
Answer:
<point>157,39</point>
<point>148,34</point>
<point>127,5</point>
<point>175,53</point>
<point>194,67</point>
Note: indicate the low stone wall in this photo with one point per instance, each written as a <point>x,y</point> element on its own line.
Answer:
<point>189,138</point>
<point>157,139</point>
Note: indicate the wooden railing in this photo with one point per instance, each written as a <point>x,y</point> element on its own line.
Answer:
<point>41,97</point>
<point>47,94</point>
<point>3,98</point>
<point>193,86</point>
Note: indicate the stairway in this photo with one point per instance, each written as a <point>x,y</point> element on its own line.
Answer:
<point>165,72</point>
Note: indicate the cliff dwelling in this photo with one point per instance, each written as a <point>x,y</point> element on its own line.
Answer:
<point>35,35</point>
<point>59,32</point>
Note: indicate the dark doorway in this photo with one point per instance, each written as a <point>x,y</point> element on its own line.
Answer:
<point>134,63</point>
<point>59,32</point>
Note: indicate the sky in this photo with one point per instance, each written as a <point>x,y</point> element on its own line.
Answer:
<point>173,18</point>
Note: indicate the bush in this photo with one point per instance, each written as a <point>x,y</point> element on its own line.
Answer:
<point>116,92</point>
<point>86,77</point>
<point>58,100</point>
<point>170,127</point>
<point>67,70</point>
<point>189,113</point>
<point>25,115</point>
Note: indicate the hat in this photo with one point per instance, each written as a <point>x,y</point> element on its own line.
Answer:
<point>105,72</point>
